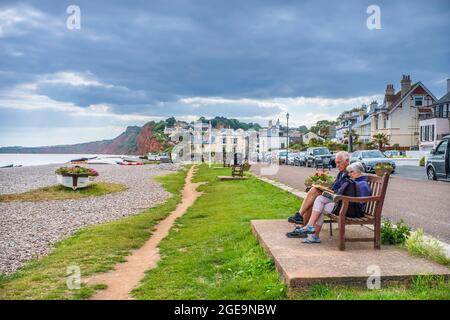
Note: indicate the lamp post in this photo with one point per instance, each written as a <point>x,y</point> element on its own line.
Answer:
<point>287,137</point>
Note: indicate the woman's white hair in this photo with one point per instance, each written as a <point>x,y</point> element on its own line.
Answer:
<point>356,166</point>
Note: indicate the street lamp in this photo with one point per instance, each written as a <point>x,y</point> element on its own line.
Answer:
<point>287,137</point>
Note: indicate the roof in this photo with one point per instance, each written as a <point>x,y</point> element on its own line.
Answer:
<point>445,98</point>
<point>421,89</point>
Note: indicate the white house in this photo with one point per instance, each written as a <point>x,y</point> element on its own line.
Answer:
<point>398,116</point>
<point>435,125</point>
<point>311,135</point>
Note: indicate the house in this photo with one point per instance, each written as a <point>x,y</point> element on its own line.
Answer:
<point>398,116</point>
<point>307,137</point>
<point>363,123</point>
<point>328,132</point>
<point>346,121</point>
<point>436,124</point>
<point>272,138</point>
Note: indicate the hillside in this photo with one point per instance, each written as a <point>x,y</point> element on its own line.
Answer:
<point>134,141</point>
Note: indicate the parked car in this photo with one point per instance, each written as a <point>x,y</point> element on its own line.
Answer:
<point>164,158</point>
<point>291,158</point>
<point>392,153</point>
<point>318,157</point>
<point>438,162</point>
<point>153,157</point>
<point>369,158</point>
<point>300,159</point>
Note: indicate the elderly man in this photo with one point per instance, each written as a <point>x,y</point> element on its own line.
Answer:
<point>342,161</point>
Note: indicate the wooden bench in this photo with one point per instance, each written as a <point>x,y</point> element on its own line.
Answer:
<point>237,170</point>
<point>226,165</point>
<point>372,214</point>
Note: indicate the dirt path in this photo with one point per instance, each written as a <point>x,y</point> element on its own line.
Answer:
<point>126,276</point>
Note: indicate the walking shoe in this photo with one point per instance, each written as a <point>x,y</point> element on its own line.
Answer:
<point>311,239</point>
<point>307,229</point>
<point>296,233</point>
<point>296,218</point>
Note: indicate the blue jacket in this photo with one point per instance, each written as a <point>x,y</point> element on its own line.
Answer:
<point>363,187</point>
<point>341,177</point>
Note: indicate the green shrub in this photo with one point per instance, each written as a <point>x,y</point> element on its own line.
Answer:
<point>422,162</point>
<point>394,234</point>
<point>430,248</point>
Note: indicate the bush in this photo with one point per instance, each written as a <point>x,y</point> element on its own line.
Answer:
<point>394,234</point>
<point>430,248</point>
<point>422,162</point>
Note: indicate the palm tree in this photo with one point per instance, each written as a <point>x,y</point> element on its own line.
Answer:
<point>353,133</point>
<point>380,139</point>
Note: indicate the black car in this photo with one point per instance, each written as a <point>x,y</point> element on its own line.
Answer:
<point>438,162</point>
<point>369,158</point>
<point>300,159</point>
<point>318,157</point>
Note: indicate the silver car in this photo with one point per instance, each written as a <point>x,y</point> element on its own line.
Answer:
<point>369,158</point>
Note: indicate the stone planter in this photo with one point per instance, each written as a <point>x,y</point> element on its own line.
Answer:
<point>75,181</point>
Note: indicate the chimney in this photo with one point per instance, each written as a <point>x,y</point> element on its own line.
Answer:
<point>270,123</point>
<point>406,84</point>
<point>448,85</point>
<point>389,93</point>
<point>373,105</point>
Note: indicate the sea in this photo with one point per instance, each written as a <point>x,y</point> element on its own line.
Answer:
<point>25,159</point>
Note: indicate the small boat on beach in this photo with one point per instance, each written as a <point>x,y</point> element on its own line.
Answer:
<point>81,160</point>
<point>11,166</point>
<point>104,161</point>
<point>131,163</point>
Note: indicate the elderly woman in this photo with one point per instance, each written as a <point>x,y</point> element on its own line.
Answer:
<point>323,204</point>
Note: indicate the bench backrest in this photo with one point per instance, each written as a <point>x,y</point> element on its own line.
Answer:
<point>379,187</point>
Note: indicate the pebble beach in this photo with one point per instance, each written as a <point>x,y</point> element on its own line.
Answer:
<point>29,229</point>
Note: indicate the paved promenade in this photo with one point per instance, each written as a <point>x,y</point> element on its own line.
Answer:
<point>421,203</point>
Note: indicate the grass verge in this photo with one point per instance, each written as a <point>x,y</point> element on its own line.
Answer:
<point>94,249</point>
<point>60,192</point>
<point>211,253</point>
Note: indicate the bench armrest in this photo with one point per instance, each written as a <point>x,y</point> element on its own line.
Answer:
<point>356,199</point>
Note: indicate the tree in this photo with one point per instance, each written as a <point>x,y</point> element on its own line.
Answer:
<point>352,133</point>
<point>303,129</point>
<point>380,140</point>
<point>170,122</point>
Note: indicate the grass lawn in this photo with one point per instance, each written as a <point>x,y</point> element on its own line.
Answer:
<point>60,192</point>
<point>212,254</point>
<point>94,249</point>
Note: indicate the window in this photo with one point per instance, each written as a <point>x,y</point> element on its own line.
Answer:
<point>442,147</point>
<point>282,145</point>
<point>427,133</point>
<point>224,140</point>
<point>418,101</point>
<point>235,140</point>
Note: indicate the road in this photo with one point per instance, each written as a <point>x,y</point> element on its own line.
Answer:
<point>419,202</point>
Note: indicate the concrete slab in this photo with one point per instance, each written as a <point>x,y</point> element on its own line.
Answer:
<point>224,178</point>
<point>304,264</point>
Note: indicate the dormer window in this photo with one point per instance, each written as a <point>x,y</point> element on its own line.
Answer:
<point>418,101</point>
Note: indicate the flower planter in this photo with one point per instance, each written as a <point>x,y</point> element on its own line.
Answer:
<point>75,181</point>
<point>381,172</point>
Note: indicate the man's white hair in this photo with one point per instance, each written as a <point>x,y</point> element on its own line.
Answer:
<point>343,154</point>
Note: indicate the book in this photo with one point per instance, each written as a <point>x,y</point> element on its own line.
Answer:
<point>322,188</point>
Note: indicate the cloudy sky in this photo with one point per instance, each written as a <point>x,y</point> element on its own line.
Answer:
<point>136,61</point>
